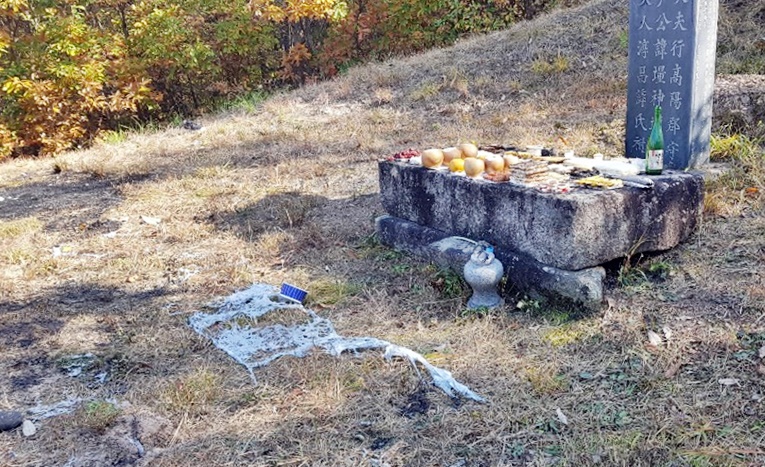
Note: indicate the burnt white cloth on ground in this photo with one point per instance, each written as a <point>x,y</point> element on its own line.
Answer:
<point>230,330</point>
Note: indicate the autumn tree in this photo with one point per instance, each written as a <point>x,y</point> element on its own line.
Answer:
<point>61,76</point>
<point>71,68</point>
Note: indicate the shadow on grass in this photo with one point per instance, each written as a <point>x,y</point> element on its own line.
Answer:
<point>32,332</point>
<point>66,202</point>
<point>277,212</point>
<point>24,323</point>
<point>316,223</point>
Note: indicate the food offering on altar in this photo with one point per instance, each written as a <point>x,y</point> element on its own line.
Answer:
<point>534,167</point>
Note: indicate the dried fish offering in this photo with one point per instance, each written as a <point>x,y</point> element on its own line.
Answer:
<point>520,154</point>
<point>600,182</point>
<point>561,169</point>
<point>529,172</point>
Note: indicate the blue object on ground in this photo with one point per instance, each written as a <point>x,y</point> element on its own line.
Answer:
<point>291,292</point>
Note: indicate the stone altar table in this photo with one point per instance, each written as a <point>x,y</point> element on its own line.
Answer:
<point>553,244</point>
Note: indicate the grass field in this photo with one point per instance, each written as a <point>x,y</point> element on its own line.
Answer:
<point>105,253</point>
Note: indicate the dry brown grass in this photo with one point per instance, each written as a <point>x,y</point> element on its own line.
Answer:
<point>738,191</point>
<point>743,47</point>
<point>288,193</point>
<point>18,227</point>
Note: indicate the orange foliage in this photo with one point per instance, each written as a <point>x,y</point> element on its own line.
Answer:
<point>294,63</point>
<point>59,78</point>
<point>70,69</point>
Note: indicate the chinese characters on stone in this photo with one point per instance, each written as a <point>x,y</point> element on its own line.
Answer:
<point>660,75</point>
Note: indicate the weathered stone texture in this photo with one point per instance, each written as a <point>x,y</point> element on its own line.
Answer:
<point>739,102</point>
<point>10,419</point>
<point>574,231</point>
<point>583,288</point>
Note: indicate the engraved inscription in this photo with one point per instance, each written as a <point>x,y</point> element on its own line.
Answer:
<point>661,71</point>
<point>642,75</point>
<point>674,125</point>
<point>657,97</point>
<point>642,98</point>
<point>642,49</point>
<point>675,101</point>
<point>659,74</point>
<point>662,22</point>
<point>661,48</point>
<point>680,22</point>
<point>677,77</point>
<point>640,122</point>
<point>677,48</point>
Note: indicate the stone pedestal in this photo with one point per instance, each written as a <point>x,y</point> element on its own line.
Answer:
<point>483,273</point>
<point>547,242</point>
<point>583,288</point>
<point>582,229</point>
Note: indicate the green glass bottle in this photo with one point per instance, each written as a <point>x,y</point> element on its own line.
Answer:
<point>654,149</point>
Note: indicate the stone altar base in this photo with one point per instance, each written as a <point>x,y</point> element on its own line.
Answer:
<point>582,288</point>
<point>554,244</point>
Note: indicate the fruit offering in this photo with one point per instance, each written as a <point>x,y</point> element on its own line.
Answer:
<point>468,150</point>
<point>511,160</point>
<point>494,163</point>
<point>432,158</point>
<point>483,155</point>
<point>457,165</point>
<point>451,154</point>
<point>474,167</point>
<point>545,173</point>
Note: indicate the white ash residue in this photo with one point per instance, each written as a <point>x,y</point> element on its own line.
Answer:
<point>41,412</point>
<point>230,330</point>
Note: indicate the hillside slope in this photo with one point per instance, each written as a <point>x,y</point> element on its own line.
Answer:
<point>105,253</point>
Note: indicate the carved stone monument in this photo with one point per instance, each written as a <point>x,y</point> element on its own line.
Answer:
<point>672,64</point>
